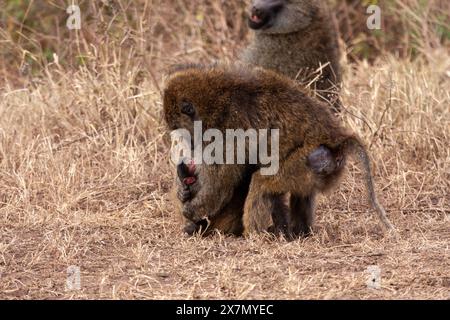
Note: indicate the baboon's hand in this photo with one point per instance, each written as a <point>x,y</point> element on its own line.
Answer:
<point>190,228</point>
<point>184,194</point>
<point>187,181</point>
<point>188,187</point>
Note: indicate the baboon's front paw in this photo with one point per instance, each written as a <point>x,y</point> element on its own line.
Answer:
<point>199,227</point>
<point>187,182</point>
<point>184,194</point>
<point>190,228</point>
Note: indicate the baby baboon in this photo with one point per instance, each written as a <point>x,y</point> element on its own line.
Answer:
<point>295,38</point>
<point>235,97</point>
<point>228,221</point>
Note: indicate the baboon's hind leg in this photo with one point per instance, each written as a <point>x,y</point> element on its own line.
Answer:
<point>302,214</point>
<point>262,208</point>
<point>279,212</point>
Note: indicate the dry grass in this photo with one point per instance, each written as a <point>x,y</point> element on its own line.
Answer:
<point>84,180</point>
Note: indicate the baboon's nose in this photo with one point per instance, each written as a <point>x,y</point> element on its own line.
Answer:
<point>265,8</point>
<point>257,15</point>
<point>262,13</point>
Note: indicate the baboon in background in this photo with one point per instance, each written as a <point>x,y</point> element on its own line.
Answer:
<point>235,97</point>
<point>295,38</point>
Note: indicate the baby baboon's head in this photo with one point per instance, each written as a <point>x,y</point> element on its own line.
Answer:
<point>281,16</point>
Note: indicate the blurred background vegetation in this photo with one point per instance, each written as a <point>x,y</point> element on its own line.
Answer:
<point>126,33</point>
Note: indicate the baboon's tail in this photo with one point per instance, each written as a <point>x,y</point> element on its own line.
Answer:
<point>356,146</point>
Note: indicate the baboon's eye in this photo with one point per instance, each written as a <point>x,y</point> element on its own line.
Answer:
<point>187,108</point>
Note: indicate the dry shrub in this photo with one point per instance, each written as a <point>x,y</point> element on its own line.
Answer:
<point>409,27</point>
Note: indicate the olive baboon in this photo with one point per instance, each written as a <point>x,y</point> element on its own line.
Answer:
<point>235,97</point>
<point>295,38</point>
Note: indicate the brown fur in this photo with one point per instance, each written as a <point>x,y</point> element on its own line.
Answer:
<point>228,221</point>
<point>234,97</point>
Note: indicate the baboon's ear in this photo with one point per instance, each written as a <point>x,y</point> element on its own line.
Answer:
<point>184,67</point>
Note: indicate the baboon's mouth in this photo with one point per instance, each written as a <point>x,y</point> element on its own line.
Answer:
<point>257,22</point>
<point>254,18</point>
<point>263,17</point>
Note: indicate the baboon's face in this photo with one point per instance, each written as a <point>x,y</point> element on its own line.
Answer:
<point>220,97</point>
<point>281,16</point>
<point>180,105</point>
<point>194,95</point>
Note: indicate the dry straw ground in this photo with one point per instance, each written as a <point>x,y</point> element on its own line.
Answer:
<point>85,181</point>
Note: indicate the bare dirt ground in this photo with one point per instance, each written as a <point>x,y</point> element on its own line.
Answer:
<point>85,181</point>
